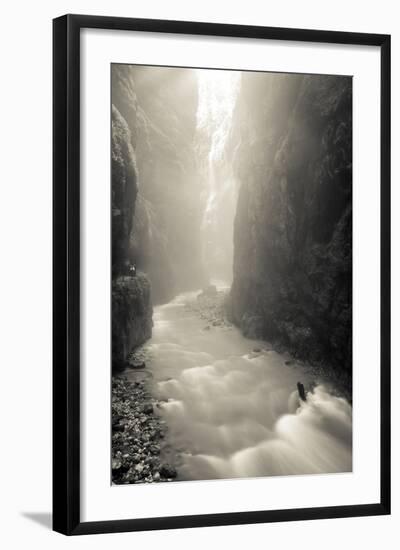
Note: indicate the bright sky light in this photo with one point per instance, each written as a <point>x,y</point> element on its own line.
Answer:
<point>217,96</point>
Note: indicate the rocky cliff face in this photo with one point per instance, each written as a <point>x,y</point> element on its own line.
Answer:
<point>159,107</point>
<point>131,316</point>
<point>131,301</point>
<point>124,191</point>
<point>291,148</point>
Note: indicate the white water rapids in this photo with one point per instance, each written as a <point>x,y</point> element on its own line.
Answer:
<point>234,412</point>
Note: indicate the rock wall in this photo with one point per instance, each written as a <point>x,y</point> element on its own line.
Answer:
<point>123,189</point>
<point>131,316</point>
<point>159,106</point>
<point>291,149</point>
<point>131,300</point>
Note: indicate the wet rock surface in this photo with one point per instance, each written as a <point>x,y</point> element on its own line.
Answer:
<point>137,435</point>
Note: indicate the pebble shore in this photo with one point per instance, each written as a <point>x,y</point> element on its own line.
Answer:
<point>137,435</point>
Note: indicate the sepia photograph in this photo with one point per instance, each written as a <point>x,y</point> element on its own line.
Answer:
<point>231,275</point>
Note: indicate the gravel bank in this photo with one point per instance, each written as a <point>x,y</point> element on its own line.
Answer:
<point>137,434</point>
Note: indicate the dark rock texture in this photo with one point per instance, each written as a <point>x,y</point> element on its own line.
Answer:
<point>159,106</point>
<point>131,300</point>
<point>124,191</point>
<point>131,316</point>
<point>291,147</point>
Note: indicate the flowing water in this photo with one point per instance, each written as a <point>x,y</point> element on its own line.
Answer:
<point>235,412</point>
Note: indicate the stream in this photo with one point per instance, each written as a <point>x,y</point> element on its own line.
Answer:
<point>232,407</point>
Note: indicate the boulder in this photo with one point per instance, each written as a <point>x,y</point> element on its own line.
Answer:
<point>148,408</point>
<point>168,471</point>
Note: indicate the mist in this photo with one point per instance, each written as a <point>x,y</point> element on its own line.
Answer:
<point>231,274</point>
<point>180,122</point>
<point>218,92</point>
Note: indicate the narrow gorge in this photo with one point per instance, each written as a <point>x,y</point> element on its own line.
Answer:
<point>231,273</point>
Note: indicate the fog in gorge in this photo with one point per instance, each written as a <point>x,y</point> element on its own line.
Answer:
<point>231,274</point>
<point>218,91</point>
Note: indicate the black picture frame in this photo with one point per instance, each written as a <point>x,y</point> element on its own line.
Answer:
<point>66,273</point>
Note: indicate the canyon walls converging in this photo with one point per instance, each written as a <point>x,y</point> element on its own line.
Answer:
<point>232,217</point>
<point>200,155</point>
<point>291,149</point>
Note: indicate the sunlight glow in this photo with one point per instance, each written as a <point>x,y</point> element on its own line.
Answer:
<point>218,91</point>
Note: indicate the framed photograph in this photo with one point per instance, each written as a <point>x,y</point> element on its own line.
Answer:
<point>221,274</point>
